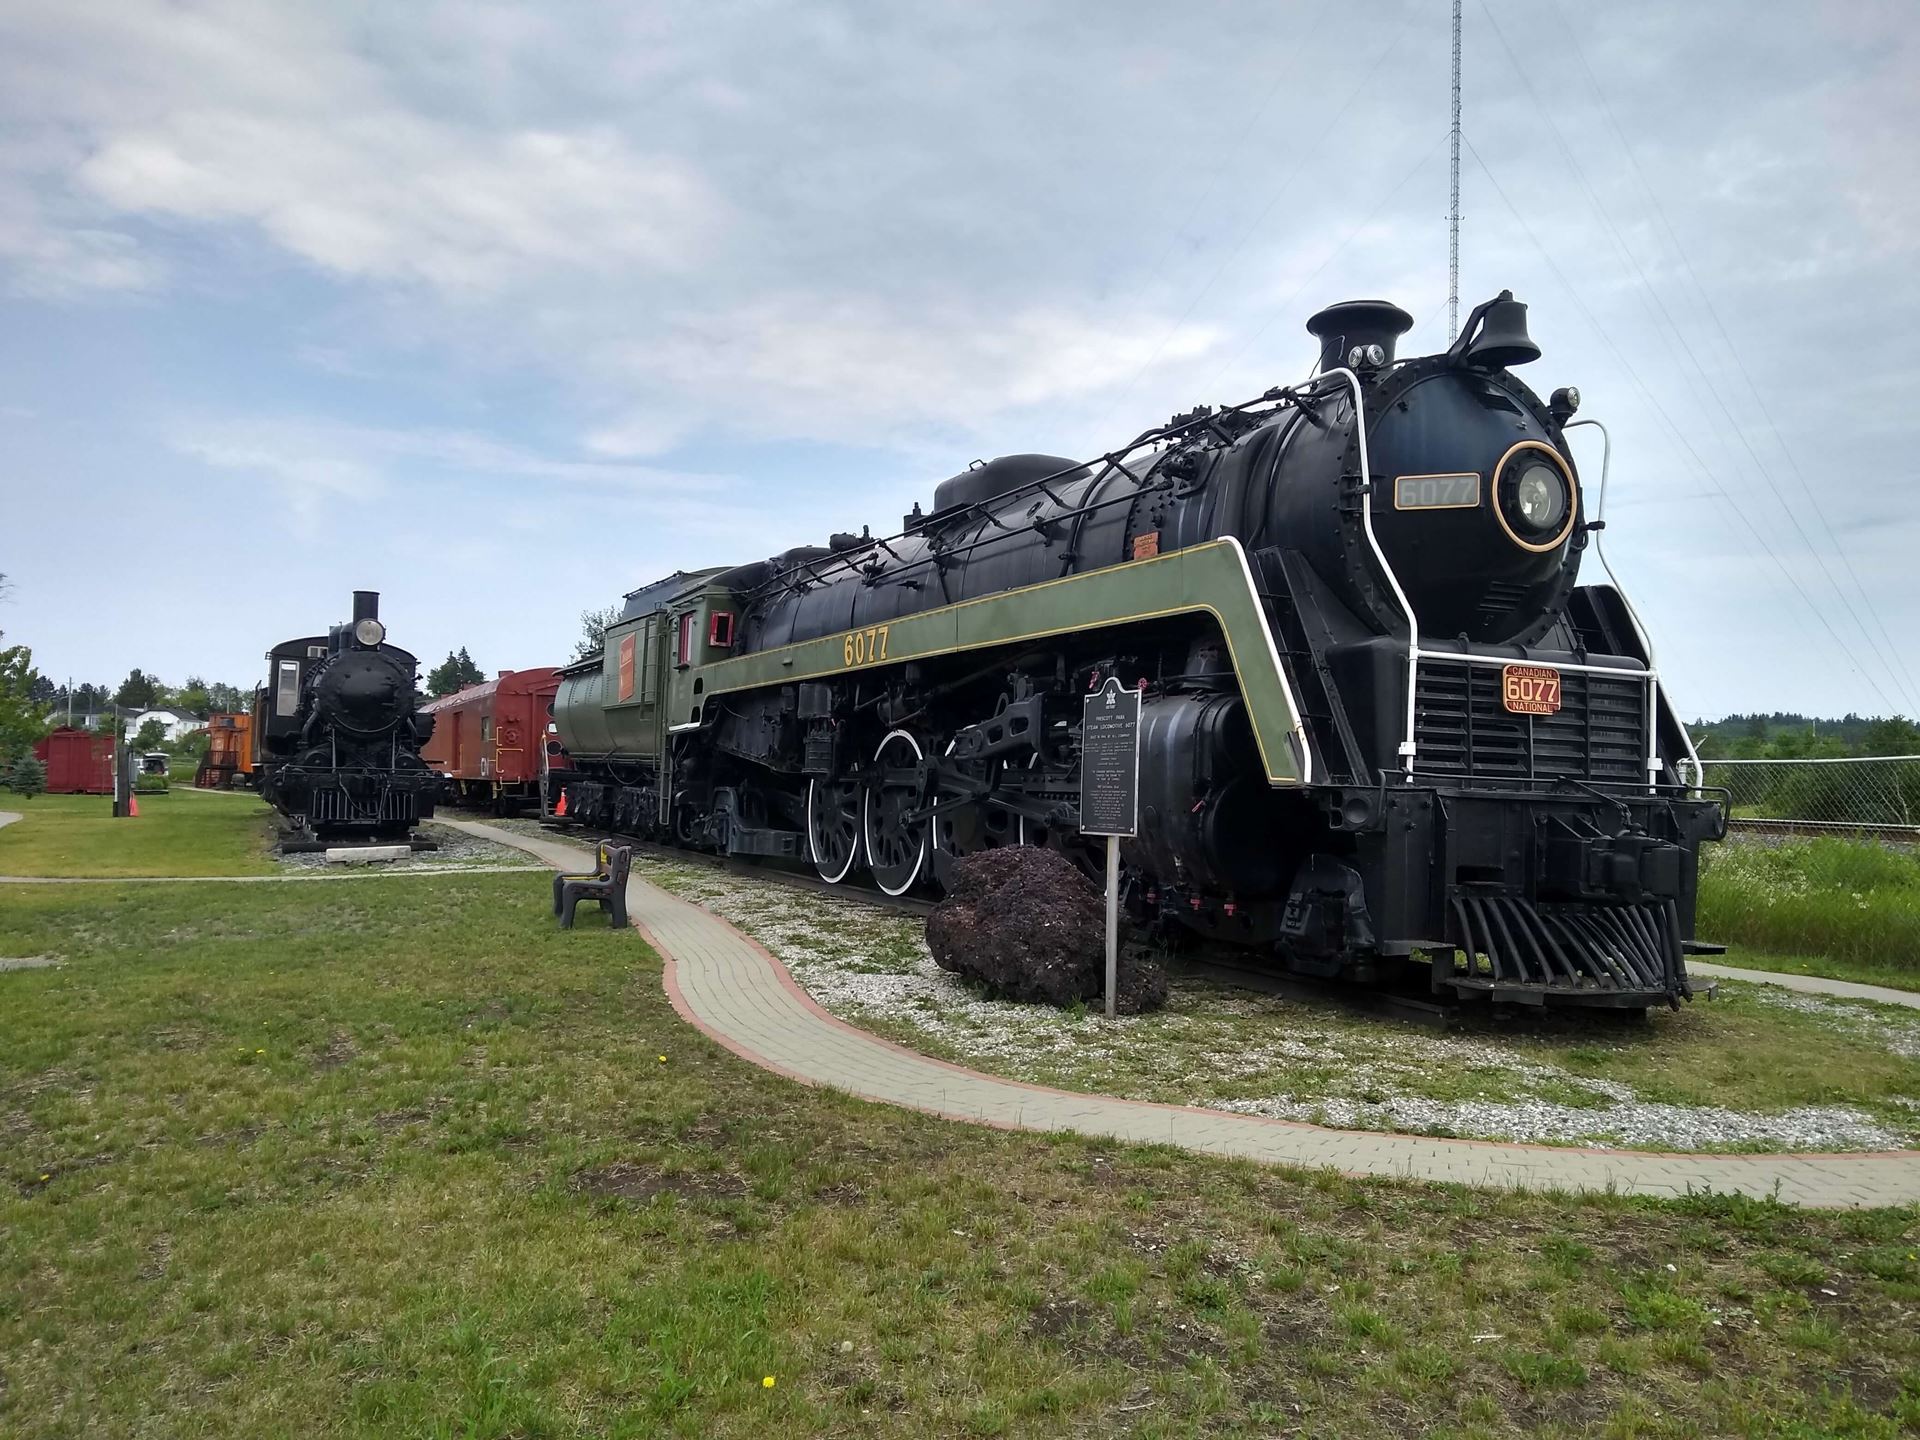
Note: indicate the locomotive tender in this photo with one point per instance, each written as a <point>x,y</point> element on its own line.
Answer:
<point>1381,726</point>
<point>337,733</point>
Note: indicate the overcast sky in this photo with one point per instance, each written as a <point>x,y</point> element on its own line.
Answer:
<point>504,310</point>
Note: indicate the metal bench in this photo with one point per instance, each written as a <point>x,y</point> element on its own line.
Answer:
<point>607,884</point>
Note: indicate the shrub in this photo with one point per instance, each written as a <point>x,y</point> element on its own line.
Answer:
<point>150,785</point>
<point>28,776</point>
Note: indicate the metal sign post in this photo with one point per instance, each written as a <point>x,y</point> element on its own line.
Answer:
<point>1110,795</point>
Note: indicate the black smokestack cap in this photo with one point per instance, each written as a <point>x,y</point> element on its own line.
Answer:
<point>1352,324</point>
<point>366,605</point>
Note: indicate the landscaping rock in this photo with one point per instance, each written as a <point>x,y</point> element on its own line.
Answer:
<point>1024,924</point>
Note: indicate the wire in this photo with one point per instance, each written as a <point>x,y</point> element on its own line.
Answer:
<point>1679,436</point>
<point>1686,260</point>
<point>1677,332</point>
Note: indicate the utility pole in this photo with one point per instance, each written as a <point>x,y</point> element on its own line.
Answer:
<point>1453,214</point>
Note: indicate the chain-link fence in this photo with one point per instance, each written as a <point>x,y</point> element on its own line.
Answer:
<point>1874,797</point>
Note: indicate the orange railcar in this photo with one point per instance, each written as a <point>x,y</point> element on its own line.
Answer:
<point>229,756</point>
<point>493,743</point>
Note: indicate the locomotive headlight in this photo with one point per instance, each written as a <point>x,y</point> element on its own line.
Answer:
<point>369,632</point>
<point>1535,496</point>
<point>1541,498</point>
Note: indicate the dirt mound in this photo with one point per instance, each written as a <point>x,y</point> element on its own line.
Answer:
<point>1025,924</point>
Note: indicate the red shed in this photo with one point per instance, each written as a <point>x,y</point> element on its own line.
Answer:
<point>78,762</point>
<point>495,742</point>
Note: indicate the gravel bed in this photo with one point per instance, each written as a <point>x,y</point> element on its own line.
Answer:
<point>1236,1050</point>
<point>457,850</point>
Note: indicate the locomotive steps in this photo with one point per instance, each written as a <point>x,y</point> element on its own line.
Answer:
<point>735,991</point>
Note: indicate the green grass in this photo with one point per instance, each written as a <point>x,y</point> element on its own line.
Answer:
<point>400,1158</point>
<point>1855,905</point>
<point>174,834</point>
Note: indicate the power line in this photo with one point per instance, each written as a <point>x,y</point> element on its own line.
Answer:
<point>1686,260</point>
<point>1667,420</point>
<point>1677,331</point>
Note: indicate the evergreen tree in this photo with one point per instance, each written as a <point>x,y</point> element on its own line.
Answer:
<point>138,691</point>
<point>28,776</point>
<point>152,735</point>
<point>454,673</point>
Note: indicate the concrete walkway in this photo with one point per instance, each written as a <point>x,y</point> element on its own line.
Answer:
<point>1808,984</point>
<point>739,995</point>
<point>7,817</point>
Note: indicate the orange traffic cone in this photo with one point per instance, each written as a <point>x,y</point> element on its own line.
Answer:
<point>561,808</point>
<point>133,806</point>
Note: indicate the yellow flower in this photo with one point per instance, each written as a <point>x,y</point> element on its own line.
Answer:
<point>767,1384</point>
<point>259,1052</point>
<point>49,1177</point>
<point>663,1059</point>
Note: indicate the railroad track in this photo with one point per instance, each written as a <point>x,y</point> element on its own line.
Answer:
<point>1839,829</point>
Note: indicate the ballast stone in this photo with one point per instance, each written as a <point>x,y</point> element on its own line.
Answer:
<point>367,854</point>
<point>1024,924</point>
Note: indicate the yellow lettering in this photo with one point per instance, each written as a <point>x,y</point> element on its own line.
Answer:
<point>849,650</point>
<point>883,642</point>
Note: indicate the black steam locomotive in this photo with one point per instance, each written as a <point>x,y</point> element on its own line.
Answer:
<point>1384,733</point>
<point>337,734</point>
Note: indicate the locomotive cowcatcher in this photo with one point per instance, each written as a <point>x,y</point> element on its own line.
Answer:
<point>1386,737</point>
<point>337,734</point>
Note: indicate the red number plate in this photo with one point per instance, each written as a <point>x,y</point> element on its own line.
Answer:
<point>1530,689</point>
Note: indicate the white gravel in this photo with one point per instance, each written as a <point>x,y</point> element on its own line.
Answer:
<point>457,849</point>
<point>1214,1044</point>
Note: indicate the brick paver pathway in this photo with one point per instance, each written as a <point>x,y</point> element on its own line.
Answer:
<point>732,989</point>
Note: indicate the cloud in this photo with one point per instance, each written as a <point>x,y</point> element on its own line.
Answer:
<point>662,284</point>
<point>360,461</point>
<point>391,197</point>
<point>835,367</point>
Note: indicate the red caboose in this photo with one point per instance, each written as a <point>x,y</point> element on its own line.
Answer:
<point>494,743</point>
<point>78,762</point>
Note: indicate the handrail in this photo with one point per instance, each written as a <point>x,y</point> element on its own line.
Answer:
<point>1280,396</point>
<point>1406,751</point>
<point>1597,528</point>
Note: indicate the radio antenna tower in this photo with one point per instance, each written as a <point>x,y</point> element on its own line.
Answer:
<point>1453,212</point>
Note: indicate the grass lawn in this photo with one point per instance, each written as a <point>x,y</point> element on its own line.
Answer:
<point>174,834</point>
<point>1854,904</point>
<point>399,1158</point>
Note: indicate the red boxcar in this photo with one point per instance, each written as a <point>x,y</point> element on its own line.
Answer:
<point>495,742</point>
<point>78,762</point>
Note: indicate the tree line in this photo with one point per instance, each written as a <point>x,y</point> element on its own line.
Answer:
<point>1786,735</point>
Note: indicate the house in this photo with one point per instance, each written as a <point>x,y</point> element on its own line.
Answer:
<point>178,722</point>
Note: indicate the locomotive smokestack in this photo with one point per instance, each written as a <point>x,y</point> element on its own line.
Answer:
<point>366,605</point>
<point>1358,326</point>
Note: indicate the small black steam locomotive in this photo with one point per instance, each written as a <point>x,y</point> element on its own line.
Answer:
<point>337,733</point>
<point>1386,735</point>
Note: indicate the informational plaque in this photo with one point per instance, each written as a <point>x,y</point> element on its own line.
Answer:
<point>1110,761</point>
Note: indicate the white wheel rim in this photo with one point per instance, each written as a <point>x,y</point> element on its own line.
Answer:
<point>1032,760</point>
<point>813,842</point>
<point>866,819</point>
